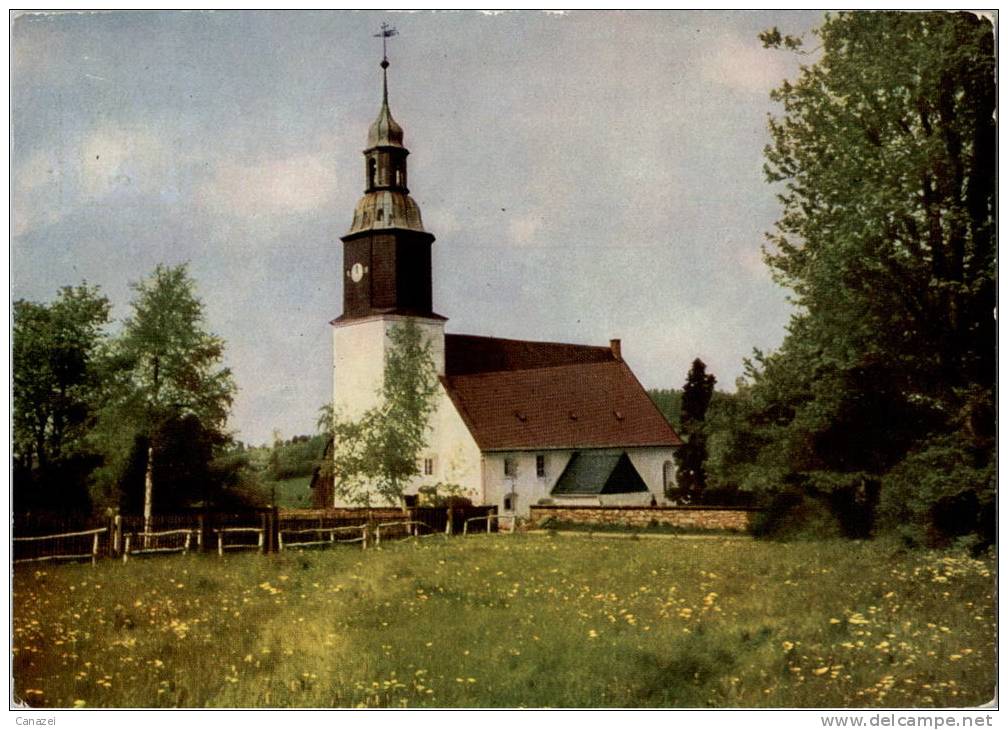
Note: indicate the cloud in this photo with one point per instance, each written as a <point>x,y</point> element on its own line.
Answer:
<point>750,259</point>
<point>442,220</point>
<point>38,178</point>
<point>121,160</point>
<point>293,185</point>
<point>89,169</point>
<point>744,65</point>
<point>525,229</point>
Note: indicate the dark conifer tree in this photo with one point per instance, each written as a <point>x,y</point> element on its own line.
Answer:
<point>690,458</point>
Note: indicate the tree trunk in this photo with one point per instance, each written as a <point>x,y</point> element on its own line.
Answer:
<point>148,493</point>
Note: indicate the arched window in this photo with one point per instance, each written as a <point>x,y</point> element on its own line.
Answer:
<point>668,476</point>
<point>371,165</point>
<point>399,178</point>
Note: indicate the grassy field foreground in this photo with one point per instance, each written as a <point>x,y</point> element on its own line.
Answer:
<point>511,621</point>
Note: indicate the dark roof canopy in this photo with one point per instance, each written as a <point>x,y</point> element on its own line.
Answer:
<point>514,394</point>
<point>469,354</point>
<point>599,472</point>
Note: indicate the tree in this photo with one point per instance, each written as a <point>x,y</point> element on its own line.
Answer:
<point>55,351</point>
<point>886,152</point>
<point>377,454</point>
<point>884,158</point>
<point>690,457</point>
<point>168,371</point>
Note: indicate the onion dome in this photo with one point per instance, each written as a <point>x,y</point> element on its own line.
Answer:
<point>384,132</point>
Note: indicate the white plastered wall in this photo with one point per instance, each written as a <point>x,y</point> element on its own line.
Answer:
<point>649,461</point>
<point>529,489</point>
<point>455,454</point>
<point>359,348</point>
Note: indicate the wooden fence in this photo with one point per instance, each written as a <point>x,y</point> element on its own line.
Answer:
<point>302,536</point>
<point>265,531</point>
<point>224,532</point>
<point>166,541</point>
<point>491,520</point>
<point>81,545</point>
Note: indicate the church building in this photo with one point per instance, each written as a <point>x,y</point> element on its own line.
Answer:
<point>516,421</point>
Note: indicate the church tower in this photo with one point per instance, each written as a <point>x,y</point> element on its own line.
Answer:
<point>386,268</point>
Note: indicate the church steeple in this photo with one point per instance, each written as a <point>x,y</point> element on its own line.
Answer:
<point>385,132</point>
<point>387,252</point>
<point>386,202</point>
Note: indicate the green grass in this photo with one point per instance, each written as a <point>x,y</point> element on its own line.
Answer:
<point>629,530</point>
<point>514,620</point>
<point>293,492</point>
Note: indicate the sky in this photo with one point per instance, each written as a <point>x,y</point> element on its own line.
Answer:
<point>587,175</point>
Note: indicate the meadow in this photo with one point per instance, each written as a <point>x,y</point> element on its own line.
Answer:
<point>514,621</point>
<point>294,493</point>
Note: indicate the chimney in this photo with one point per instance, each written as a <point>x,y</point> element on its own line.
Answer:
<point>617,353</point>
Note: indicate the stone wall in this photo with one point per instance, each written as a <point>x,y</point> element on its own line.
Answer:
<point>733,519</point>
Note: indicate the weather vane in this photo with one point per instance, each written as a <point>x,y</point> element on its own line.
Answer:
<point>387,31</point>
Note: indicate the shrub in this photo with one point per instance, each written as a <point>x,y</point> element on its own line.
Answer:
<point>942,491</point>
<point>793,514</point>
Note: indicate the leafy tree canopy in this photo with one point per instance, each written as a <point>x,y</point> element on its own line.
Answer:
<point>54,349</point>
<point>164,369</point>
<point>884,157</point>
<point>55,362</point>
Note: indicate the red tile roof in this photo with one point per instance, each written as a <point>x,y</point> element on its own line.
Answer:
<point>578,397</point>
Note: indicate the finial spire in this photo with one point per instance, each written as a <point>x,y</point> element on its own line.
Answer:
<point>385,132</point>
<point>387,31</point>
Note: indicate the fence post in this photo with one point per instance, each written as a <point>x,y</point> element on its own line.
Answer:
<point>117,534</point>
<point>377,535</point>
<point>220,543</point>
<point>126,550</point>
<point>94,550</point>
<point>363,542</point>
<point>188,542</point>
<point>279,542</point>
<point>489,520</point>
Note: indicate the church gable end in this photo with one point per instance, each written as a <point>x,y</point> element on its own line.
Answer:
<point>604,472</point>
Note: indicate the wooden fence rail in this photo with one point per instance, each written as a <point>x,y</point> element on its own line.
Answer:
<point>150,541</point>
<point>281,543</point>
<point>93,555</point>
<point>411,524</point>
<point>221,547</point>
<point>126,536</point>
<point>489,521</point>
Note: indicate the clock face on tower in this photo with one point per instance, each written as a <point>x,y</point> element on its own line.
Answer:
<point>356,272</point>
